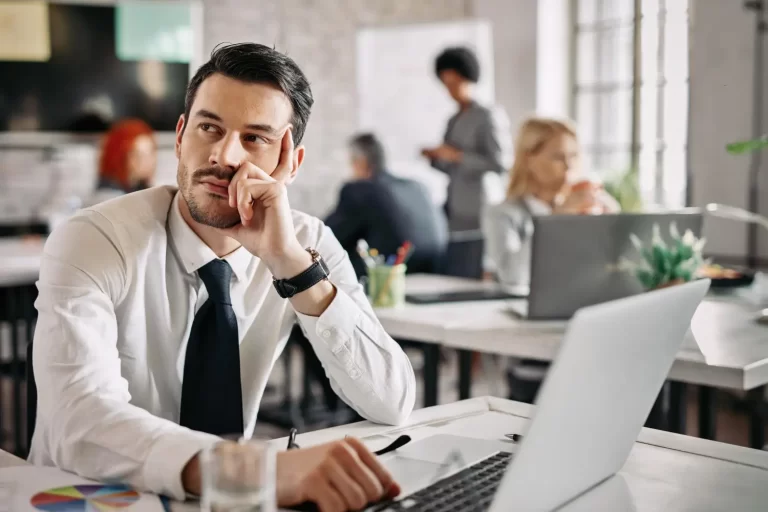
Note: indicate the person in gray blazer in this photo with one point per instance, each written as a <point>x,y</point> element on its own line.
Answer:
<point>474,140</point>
<point>544,179</point>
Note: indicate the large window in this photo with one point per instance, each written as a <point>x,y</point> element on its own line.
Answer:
<point>631,91</point>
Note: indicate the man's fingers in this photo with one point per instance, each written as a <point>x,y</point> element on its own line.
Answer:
<point>285,164</point>
<point>353,494</point>
<point>241,173</point>
<point>382,475</point>
<point>327,497</point>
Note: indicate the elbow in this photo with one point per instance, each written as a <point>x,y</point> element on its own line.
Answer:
<point>397,407</point>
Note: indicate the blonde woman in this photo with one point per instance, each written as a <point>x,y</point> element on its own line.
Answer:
<point>544,179</point>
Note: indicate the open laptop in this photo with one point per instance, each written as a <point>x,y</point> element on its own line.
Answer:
<point>589,412</point>
<point>574,259</point>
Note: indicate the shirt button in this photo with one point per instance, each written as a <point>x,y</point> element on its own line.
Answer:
<point>326,334</point>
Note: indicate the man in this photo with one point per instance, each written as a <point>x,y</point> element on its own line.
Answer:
<point>386,211</point>
<point>477,141</point>
<point>159,322</point>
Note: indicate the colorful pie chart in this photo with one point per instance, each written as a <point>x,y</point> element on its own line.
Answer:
<point>85,498</point>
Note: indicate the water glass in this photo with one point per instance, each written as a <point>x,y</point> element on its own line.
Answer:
<point>238,477</point>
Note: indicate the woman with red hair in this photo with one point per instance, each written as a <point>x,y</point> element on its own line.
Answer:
<point>128,159</point>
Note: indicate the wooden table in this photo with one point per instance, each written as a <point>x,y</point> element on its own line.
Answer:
<point>725,347</point>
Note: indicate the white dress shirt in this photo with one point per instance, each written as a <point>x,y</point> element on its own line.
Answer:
<point>118,292</point>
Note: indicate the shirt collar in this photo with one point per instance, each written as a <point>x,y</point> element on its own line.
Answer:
<point>537,206</point>
<point>194,253</point>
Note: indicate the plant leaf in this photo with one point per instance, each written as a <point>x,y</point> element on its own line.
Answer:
<point>738,148</point>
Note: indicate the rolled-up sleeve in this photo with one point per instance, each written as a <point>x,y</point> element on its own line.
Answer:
<point>86,423</point>
<point>366,367</point>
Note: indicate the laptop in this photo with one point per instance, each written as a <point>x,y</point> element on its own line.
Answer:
<point>574,259</point>
<point>464,296</point>
<point>596,397</point>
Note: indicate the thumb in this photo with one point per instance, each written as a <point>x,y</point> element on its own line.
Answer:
<point>233,232</point>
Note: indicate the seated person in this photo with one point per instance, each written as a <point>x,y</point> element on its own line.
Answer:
<point>387,211</point>
<point>134,292</point>
<point>544,179</point>
<point>127,162</point>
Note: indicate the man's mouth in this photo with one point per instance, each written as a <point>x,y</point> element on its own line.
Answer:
<point>216,186</point>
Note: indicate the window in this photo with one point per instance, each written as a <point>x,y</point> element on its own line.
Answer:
<point>630,95</point>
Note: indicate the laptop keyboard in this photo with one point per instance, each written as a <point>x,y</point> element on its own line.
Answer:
<point>471,489</point>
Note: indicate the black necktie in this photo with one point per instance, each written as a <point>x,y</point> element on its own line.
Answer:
<point>211,396</point>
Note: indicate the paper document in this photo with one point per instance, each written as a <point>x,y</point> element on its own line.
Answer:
<point>36,489</point>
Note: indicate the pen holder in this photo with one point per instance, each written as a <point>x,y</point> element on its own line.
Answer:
<point>386,286</point>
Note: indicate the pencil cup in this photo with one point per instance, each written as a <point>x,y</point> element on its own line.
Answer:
<point>386,286</point>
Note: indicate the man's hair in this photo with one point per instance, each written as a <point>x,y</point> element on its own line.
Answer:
<point>369,147</point>
<point>258,64</point>
<point>461,60</point>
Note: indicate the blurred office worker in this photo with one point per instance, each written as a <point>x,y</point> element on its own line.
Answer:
<point>128,160</point>
<point>545,179</point>
<point>161,313</point>
<point>473,143</point>
<point>386,211</point>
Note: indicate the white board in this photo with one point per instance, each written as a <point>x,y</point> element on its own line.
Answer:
<point>401,99</point>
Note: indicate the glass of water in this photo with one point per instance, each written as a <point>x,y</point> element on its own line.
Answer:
<point>238,476</point>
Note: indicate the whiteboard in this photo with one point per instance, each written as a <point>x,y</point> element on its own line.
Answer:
<point>401,100</point>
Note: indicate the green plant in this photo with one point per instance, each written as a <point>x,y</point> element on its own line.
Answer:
<point>738,148</point>
<point>625,189</point>
<point>663,264</point>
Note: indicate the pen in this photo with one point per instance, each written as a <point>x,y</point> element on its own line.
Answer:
<point>292,439</point>
<point>364,252</point>
<point>391,260</point>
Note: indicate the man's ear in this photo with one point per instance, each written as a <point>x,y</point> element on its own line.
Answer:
<point>298,159</point>
<point>179,132</point>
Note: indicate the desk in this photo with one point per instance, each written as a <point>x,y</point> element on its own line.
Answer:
<point>19,269</point>
<point>665,471</point>
<point>732,348</point>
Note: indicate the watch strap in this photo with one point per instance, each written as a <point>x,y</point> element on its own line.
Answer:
<point>315,273</point>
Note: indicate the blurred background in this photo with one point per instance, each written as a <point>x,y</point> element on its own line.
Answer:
<point>657,89</point>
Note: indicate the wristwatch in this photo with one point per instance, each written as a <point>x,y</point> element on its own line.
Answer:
<point>318,271</point>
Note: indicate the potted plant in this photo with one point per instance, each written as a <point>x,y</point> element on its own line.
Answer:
<point>625,189</point>
<point>663,264</point>
<point>738,148</point>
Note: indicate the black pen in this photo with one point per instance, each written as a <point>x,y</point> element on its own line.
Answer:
<point>292,439</point>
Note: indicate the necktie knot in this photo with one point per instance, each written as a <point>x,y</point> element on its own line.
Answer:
<point>216,276</point>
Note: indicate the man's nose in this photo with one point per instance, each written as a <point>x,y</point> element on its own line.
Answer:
<point>229,152</point>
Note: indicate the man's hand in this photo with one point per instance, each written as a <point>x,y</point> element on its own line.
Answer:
<point>338,476</point>
<point>266,225</point>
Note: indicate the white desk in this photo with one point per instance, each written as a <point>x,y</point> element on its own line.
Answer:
<point>665,471</point>
<point>20,260</point>
<point>732,348</point>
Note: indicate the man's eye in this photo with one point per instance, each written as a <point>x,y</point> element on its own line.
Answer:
<point>255,139</point>
<point>206,127</point>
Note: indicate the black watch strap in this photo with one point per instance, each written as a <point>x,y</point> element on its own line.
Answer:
<point>316,272</point>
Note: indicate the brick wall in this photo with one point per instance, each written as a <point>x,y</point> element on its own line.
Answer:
<point>318,34</point>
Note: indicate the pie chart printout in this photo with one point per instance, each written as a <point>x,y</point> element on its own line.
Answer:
<point>85,498</point>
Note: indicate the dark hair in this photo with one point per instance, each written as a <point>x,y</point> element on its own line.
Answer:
<point>460,59</point>
<point>369,146</point>
<point>256,63</point>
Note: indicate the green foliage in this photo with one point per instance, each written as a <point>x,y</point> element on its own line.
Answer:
<point>663,263</point>
<point>738,148</point>
<point>625,188</point>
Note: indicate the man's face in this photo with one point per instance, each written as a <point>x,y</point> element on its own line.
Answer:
<point>230,123</point>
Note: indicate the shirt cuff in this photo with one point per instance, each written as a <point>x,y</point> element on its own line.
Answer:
<point>168,457</point>
<point>337,323</point>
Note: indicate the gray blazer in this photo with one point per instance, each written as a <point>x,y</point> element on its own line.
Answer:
<point>484,137</point>
<point>508,232</point>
